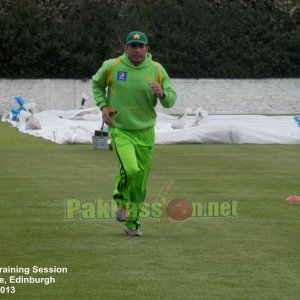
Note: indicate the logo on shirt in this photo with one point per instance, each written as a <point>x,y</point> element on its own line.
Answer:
<point>122,76</point>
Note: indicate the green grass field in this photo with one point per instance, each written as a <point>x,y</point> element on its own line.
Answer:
<point>254,255</point>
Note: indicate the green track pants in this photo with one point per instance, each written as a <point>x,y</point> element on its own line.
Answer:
<point>134,151</point>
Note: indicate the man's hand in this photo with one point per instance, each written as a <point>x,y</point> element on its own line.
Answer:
<point>156,88</point>
<point>106,112</point>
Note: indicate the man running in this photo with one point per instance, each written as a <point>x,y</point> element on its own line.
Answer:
<point>134,83</point>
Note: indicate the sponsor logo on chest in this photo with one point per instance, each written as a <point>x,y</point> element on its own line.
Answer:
<point>122,76</point>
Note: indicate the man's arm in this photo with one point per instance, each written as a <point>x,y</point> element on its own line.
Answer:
<point>168,98</point>
<point>99,85</point>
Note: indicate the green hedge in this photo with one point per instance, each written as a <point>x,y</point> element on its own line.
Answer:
<point>191,38</point>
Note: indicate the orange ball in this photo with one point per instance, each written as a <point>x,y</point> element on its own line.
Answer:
<point>179,209</point>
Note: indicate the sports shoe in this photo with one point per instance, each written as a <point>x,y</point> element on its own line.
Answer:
<point>121,214</point>
<point>131,232</point>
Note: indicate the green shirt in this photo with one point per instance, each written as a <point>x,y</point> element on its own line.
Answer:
<point>128,91</point>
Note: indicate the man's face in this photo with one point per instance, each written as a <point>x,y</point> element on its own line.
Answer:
<point>136,52</point>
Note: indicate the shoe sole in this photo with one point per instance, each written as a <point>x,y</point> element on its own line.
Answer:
<point>131,232</point>
<point>120,215</point>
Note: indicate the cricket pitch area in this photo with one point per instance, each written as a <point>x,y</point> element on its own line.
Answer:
<point>253,254</point>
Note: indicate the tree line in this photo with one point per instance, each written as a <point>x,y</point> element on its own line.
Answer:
<point>191,38</point>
